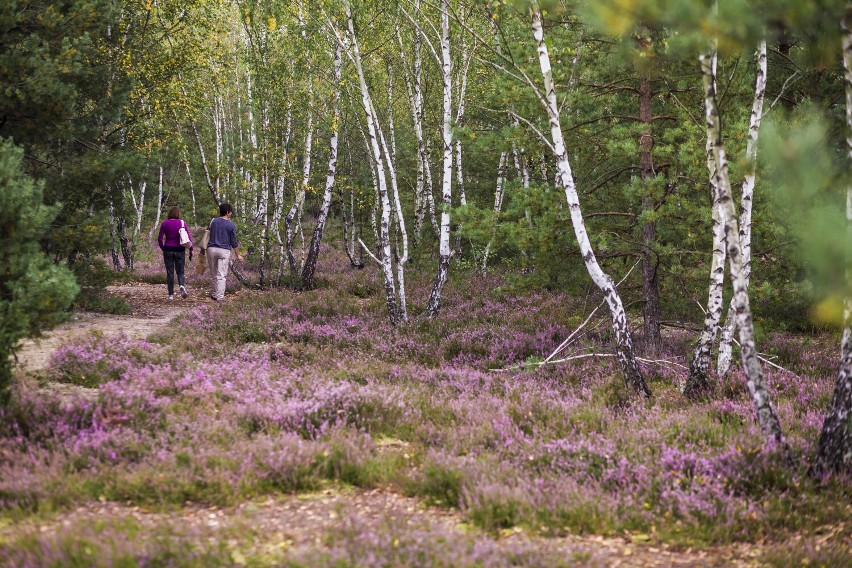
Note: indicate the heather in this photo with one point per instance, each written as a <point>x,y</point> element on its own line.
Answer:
<point>282,392</point>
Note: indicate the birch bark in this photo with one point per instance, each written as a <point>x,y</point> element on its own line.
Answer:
<point>834,451</point>
<point>126,244</point>
<point>191,185</point>
<point>699,366</point>
<point>116,260</point>
<point>138,206</point>
<point>313,252</point>
<point>444,252</point>
<point>624,345</point>
<point>766,416</point>
<point>498,205</point>
<point>159,207</point>
<point>415,101</point>
<point>390,154</point>
<point>279,191</point>
<point>384,240</point>
<point>204,166</point>
<point>727,333</point>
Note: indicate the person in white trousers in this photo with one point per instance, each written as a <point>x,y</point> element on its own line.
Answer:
<point>223,241</point>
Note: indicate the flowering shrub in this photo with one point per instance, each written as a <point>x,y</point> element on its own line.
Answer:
<point>280,391</point>
<point>96,360</point>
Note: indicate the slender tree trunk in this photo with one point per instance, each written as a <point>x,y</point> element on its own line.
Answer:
<point>126,244</point>
<point>139,205</point>
<point>116,261</point>
<point>349,227</point>
<point>279,192</point>
<point>624,344</point>
<point>699,366</point>
<point>293,221</point>
<point>498,205</point>
<point>207,177</point>
<point>159,207</point>
<point>384,238</point>
<point>653,341</point>
<point>402,259</point>
<point>444,251</point>
<point>727,335</point>
<point>766,416</point>
<point>313,252</point>
<point>834,452</point>
<point>191,186</point>
<point>415,101</point>
<point>218,129</point>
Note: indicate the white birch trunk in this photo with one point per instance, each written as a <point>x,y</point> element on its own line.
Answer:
<point>834,451</point>
<point>390,154</point>
<point>385,249</point>
<point>191,186</point>
<point>159,207</point>
<point>116,260</point>
<point>466,57</point>
<point>374,211</point>
<point>218,128</point>
<point>293,221</point>
<point>415,101</point>
<point>309,267</point>
<point>279,192</point>
<point>747,198</point>
<point>699,365</point>
<point>138,206</point>
<point>249,172</point>
<point>204,165</point>
<point>444,251</point>
<point>766,417</point>
<point>624,345</point>
<point>498,205</point>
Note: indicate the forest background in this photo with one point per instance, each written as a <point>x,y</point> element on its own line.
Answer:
<point>566,146</point>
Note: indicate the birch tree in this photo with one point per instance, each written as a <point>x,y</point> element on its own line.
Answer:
<point>623,342</point>
<point>159,206</point>
<point>699,365</point>
<point>313,251</point>
<point>384,257</point>
<point>444,251</point>
<point>766,416</point>
<point>746,201</point>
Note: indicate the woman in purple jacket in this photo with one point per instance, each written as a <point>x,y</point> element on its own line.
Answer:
<point>173,252</point>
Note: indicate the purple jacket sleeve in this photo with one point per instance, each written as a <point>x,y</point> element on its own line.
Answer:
<point>162,234</point>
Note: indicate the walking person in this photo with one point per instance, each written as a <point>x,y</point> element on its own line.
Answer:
<point>223,240</point>
<point>169,240</point>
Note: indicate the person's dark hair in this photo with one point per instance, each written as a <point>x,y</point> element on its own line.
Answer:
<point>224,209</point>
<point>174,213</point>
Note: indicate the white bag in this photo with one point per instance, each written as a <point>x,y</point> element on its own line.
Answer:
<point>184,236</point>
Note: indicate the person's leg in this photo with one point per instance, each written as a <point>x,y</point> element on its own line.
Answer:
<point>211,268</point>
<point>180,266</point>
<point>222,272</point>
<point>169,260</point>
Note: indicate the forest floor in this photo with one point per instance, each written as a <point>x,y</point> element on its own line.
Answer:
<point>265,528</point>
<point>302,520</point>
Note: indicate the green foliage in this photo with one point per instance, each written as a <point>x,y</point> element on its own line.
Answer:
<point>33,291</point>
<point>809,192</point>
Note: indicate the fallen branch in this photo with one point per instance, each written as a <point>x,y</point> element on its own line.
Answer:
<point>369,253</point>
<point>584,356</point>
<point>565,343</point>
<point>766,359</point>
<point>241,277</point>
